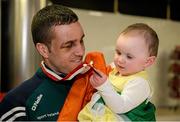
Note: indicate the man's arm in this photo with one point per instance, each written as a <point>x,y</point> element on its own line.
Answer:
<point>11,110</point>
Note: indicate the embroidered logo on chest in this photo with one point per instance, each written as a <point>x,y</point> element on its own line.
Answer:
<point>35,104</point>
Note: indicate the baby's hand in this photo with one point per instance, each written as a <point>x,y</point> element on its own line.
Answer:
<point>97,80</point>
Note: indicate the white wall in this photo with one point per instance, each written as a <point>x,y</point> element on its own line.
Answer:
<point>102,30</point>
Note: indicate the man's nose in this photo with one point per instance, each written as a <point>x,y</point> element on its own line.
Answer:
<point>80,50</point>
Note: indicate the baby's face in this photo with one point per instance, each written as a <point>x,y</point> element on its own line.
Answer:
<point>131,54</point>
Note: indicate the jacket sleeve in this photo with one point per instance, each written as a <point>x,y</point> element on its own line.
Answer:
<point>11,109</point>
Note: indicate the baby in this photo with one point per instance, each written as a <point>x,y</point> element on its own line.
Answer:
<point>124,95</point>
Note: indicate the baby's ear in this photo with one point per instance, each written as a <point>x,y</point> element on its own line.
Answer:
<point>149,61</point>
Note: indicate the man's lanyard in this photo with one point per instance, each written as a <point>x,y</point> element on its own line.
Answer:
<point>78,70</point>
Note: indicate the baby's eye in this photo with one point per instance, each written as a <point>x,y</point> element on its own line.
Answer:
<point>118,53</point>
<point>129,57</point>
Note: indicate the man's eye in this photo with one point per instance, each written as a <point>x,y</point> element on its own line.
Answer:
<point>68,45</point>
<point>82,41</point>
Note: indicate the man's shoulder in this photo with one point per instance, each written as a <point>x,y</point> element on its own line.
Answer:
<point>14,102</point>
<point>22,90</point>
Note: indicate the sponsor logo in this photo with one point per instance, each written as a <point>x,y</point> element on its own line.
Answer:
<point>35,104</point>
<point>48,115</point>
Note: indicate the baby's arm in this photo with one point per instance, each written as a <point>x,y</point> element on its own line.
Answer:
<point>133,94</point>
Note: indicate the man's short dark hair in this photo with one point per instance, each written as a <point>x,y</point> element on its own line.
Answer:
<point>47,18</point>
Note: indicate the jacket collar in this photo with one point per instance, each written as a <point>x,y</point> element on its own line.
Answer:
<point>78,70</point>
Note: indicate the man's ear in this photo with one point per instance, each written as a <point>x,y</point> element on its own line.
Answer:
<point>149,61</point>
<point>42,49</point>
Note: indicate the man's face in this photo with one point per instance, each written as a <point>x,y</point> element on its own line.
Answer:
<point>67,48</point>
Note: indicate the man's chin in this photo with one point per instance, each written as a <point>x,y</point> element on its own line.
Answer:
<point>75,65</point>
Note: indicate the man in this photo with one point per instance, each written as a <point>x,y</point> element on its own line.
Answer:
<point>60,88</point>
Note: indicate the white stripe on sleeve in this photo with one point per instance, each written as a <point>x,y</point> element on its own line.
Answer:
<point>16,116</point>
<point>9,113</point>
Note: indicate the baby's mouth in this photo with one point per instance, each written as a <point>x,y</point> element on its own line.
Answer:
<point>121,67</point>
